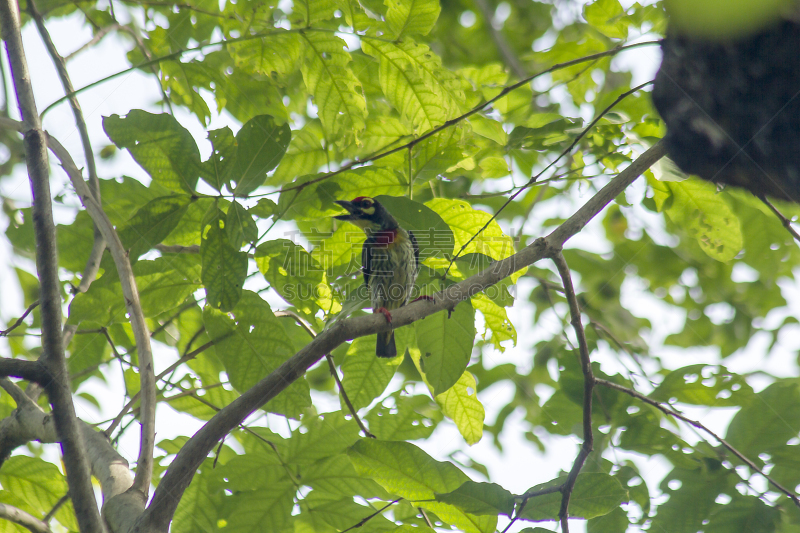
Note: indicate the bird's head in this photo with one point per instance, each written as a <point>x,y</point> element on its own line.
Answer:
<point>366,213</point>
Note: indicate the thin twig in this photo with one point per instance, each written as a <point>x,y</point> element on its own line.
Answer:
<point>61,501</point>
<point>297,318</point>
<point>98,36</point>
<point>373,515</point>
<point>671,412</point>
<point>785,221</point>
<point>425,516</point>
<point>16,324</point>
<point>588,387</point>
<point>135,397</point>
<point>478,108</point>
<point>536,177</point>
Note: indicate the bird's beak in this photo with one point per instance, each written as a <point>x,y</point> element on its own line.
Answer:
<point>351,209</point>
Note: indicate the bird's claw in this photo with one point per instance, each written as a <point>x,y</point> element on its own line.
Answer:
<point>385,312</point>
<point>424,297</point>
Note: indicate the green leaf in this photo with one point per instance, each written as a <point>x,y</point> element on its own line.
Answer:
<point>613,522</point>
<point>414,81</point>
<point>33,481</point>
<point>316,200</point>
<point>163,148</point>
<point>336,91</point>
<point>305,155</point>
<point>480,499</point>
<point>223,156</point>
<point>312,11</point>
<point>405,470</point>
<point>434,236</point>
<point>276,54</point>
<point>460,403</point>
<point>325,436</point>
<point>405,420</point>
<point>767,421</point>
<point>224,266</point>
<point>251,346</point>
<point>261,144</point>
<point>365,375</point>
<point>152,224</point>
<point>703,385</point>
<point>336,476</point>
<point>607,17</point>
<point>163,284</point>
<point>266,509</point>
<point>293,274</point>
<point>239,225</point>
<point>445,342</point>
<point>199,507</point>
<point>465,221</point>
<point>691,497</point>
<point>696,207</point>
<point>496,319</point>
<point>408,17</point>
<point>595,494</point>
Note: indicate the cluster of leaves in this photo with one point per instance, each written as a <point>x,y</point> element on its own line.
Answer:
<point>379,91</point>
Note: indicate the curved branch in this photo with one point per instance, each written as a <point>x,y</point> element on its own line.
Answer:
<point>170,490</point>
<point>53,360</point>
<point>144,464</point>
<point>26,520</point>
<point>588,388</point>
<point>694,423</point>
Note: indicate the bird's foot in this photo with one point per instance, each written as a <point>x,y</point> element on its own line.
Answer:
<point>385,312</point>
<point>424,297</point>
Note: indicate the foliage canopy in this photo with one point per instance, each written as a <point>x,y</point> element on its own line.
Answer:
<point>410,101</point>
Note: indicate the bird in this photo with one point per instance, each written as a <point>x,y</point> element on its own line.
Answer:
<point>389,261</point>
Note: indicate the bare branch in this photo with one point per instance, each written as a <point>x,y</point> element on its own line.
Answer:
<point>332,366</point>
<point>191,355</point>
<point>166,497</point>
<point>98,36</point>
<point>61,501</point>
<point>785,221</point>
<point>53,360</point>
<point>144,468</point>
<point>588,387</point>
<point>694,423</point>
<point>26,520</point>
<point>373,515</point>
<point>16,324</point>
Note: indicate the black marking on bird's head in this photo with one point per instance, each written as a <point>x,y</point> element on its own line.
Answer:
<point>366,213</point>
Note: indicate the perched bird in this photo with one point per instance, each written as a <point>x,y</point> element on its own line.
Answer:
<point>389,261</point>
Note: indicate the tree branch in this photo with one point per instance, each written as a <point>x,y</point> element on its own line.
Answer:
<point>588,388</point>
<point>332,367</point>
<point>26,520</point>
<point>16,324</point>
<point>53,360</point>
<point>784,221</point>
<point>144,464</point>
<point>694,423</point>
<point>166,497</point>
<point>23,369</point>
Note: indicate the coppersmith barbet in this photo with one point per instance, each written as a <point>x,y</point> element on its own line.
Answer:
<point>389,261</point>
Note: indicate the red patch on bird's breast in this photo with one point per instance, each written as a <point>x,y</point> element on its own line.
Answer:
<point>385,237</point>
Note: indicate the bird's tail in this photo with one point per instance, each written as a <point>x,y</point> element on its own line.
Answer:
<point>385,346</point>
